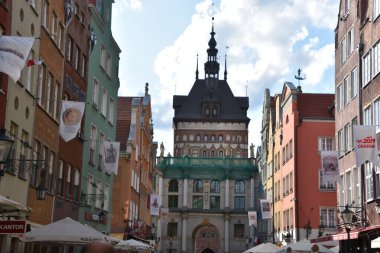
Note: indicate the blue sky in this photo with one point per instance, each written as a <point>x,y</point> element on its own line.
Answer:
<point>267,42</point>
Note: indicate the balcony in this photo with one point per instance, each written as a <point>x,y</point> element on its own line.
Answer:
<point>179,167</point>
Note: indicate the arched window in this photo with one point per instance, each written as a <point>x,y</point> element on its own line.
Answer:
<point>212,137</point>
<point>205,137</point>
<point>239,186</point>
<point>198,186</point>
<point>212,153</point>
<point>220,137</point>
<point>173,185</point>
<point>221,153</point>
<point>198,137</point>
<point>215,186</point>
<point>238,154</point>
<point>177,137</point>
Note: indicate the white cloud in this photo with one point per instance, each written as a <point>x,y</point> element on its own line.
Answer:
<point>268,41</point>
<point>121,5</point>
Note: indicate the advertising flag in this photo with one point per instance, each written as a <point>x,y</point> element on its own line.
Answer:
<point>252,218</point>
<point>365,145</point>
<point>265,209</point>
<point>70,120</point>
<point>164,215</point>
<point>110,156</point>
<point>330,170</point>
<point>154,205</point>
<point>32,62</point>
<point>14,51</point>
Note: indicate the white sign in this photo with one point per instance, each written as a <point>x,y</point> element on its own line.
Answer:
<point>365,145</point>
<point>265,209</point>
<point>70,120</point>
<point>252,218</point>
<point>111,156</point>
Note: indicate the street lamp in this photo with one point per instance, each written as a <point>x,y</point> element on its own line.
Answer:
<point>347,216</point>
<point>6,144</point>
<point>153,231</point>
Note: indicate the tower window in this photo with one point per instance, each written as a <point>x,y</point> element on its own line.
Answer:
<point>205,137</point>
<point>220,137</point>
<point>212,137</point>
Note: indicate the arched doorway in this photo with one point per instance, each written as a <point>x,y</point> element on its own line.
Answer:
<point>206,238</point>
<point>208,251</point>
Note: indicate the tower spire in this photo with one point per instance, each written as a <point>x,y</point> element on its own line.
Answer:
<point>212,65</point>
<point>196,72</point>
<point>225,65</point>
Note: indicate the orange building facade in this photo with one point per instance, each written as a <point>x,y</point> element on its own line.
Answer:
<point>304,207</point>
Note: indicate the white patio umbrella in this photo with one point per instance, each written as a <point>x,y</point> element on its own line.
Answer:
<point>375,243</point>
<point>264,248</point>
<point>132,244</point>
<point>305,245</point>
<point>9,205</point>
<point>66,230</point>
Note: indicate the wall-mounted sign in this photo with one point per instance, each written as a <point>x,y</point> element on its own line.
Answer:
<point>95,218</point>
<point>12,226</point>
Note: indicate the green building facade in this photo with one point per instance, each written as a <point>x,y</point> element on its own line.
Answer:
<point>100,117</point>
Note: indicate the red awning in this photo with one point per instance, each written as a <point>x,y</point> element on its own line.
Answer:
<point>354,233</point>
<point>322,239</point>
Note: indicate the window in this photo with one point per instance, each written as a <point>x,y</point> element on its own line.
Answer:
<point>346,87</point>
<point>354,82</point>
<point>348,189</point>
<point>173,185</point>
<point>350,42</point>
<point>93,144</point>
<point>106,197</point>
<point>76,58</point>
<point>339,97</point>
<point>83,67</point>
<point>56,101</point>
<point>376,9</point>
<point>326,143</point>
<point>347,138</point>
<point>220,138</point>
<point>173,201</point>
<point>46,14</point>
<point>340,143</point>
<point>50,178</point>
<point>198,186</point>
<point>41,79</point>
<point>212,137</point>
<point>239,187</point>
<point>59,178</point>
<point>48,93</point>
<point>172,229</point>
<point>367,116</point>
<point>239,231</point>
<point>111,110</point>
<point>76,185</point>
<point>98,191</point>
<point>368,181</point>
<point>197,202</point>
<point>347,6</point>
<point>205,137</point>
<point>95,95</point>
<point>60,35</point>
<point>239,202</point>
<point>69,46</point>
<point>34,172</point>
<point>291,149</point>
<point>325,184</point>
<point>366,63</point>
<point>221,154</point>
<point>214,202</point>
<point>343,51</point>
<point>356,183</point>
<point>68,180</point>
<point>291,182</point>
<point>215,186</point>
<point>328,217</point>
<point>90,189</point>
<point>354,122</point>
<point>104,102</point>
<point>108,65</point>
<point>376,113</point>
<point>376,59</point>
<point>103,57</point>
<point>53,26</point>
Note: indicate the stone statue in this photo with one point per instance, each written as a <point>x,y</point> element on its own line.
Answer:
<point>162,149</point>
<point>252,150</point>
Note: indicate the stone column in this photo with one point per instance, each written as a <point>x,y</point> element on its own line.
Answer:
<point>227,199</point>
<point>184,231</point>
<point>226,233</point>
<point>185,192</point>
<point>252,197</point>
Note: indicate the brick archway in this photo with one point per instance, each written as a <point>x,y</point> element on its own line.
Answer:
<point>206,239</point>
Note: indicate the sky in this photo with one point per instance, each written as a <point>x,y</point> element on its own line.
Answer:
<point>265,41</point>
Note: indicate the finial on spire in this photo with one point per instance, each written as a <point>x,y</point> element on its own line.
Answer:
<point>225,64</point>
<point>196,72</point>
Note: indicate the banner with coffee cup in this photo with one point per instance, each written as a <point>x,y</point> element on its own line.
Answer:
<point>70,119</point>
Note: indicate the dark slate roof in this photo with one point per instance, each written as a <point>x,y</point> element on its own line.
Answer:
<point>190,107</point>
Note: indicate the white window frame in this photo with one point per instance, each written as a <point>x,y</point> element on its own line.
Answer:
<point>354,82</point>
<point>340,143</point>
<point>375,59</point>
<point>111,110</point>
<point>104,102</point>
<point>339,94</point>
<point>376,113</point>
<point>346,90</point>
<point>368,181</point>
<point>324,143</point>
<point>376,9</point>
<point>366,67</point>
<point>343,51</point>
<point>367,115</point>
<point>347,138</point>
<point>330,219</point>
<point>95,95</point>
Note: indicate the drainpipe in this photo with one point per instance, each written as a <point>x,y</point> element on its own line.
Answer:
<point>296,210</point>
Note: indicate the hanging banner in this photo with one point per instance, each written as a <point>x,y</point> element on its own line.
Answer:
<point>265,209</point>
<point>14,51</point>
<point>365,145</point>
<point>110,156</point>
<point>252,218</point>
<point>70,120</point>
<point>330,170</point>
<point>164,215</point>
<point>154,205</point>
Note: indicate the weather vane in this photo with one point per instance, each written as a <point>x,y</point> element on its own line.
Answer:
<point>300,77</point>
